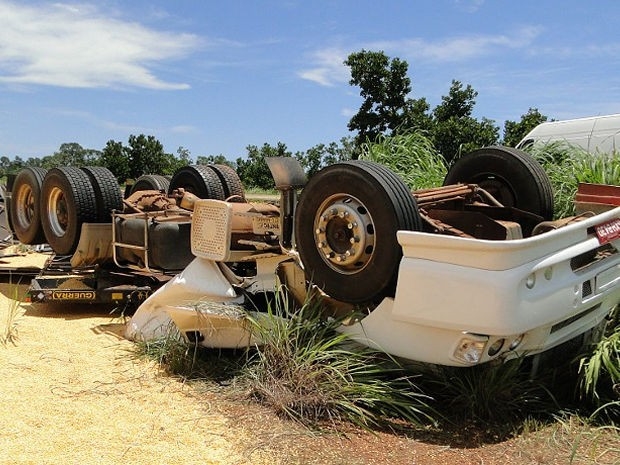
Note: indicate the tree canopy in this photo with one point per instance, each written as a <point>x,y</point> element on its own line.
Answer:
<point>387,109</point>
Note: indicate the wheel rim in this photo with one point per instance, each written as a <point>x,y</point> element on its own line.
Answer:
<point>58,212</point>
<point>498,188</point>
<point>26,208</point>
<point>344,233</point>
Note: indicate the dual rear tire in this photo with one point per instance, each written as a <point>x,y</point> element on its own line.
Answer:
<point>219,182</point>
<point>51,205</point>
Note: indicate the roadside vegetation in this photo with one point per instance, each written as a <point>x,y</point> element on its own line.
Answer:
<point>568,165</point>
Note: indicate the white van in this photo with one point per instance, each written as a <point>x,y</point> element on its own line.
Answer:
<point>595,134</point>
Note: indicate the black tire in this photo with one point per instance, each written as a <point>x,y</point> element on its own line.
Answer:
<point>68,201</point>
<point>199,180</point>
<point>347,204</point>
<point>233,188</point>
<point>151,182</point>
<point>25,209</point>
<point>107,192</point>
<point>512,176</point>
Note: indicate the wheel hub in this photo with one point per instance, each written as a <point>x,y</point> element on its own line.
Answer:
<point>344,233</point>
<point>58,213</point>
<point>25,206</point>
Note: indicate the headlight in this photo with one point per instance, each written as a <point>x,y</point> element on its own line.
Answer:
<point>471,348</point>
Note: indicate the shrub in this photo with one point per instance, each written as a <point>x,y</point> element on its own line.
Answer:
<point>307,371</point>
<point>490,393</point>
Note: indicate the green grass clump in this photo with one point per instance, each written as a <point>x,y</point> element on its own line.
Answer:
<point>499,394</point>
<point>599,373</point>
<point>187,360</point>
<point>567,165</point>
<point>10,331</point>
<point>410,155</point>
<point>307,371</point>
<point>170,351</point>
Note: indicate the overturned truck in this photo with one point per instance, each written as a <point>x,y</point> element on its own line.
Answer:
<point>469,272</point>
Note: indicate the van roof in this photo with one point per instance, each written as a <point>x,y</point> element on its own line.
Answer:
<point>594,134</point>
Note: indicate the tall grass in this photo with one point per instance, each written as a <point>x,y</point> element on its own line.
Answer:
<point>490,393</point>
<point>411,155</point>
<point>307,371</point>
<point>567,165</point>
<point>599,373</point>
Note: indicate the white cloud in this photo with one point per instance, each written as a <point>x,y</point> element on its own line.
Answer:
<point>79,46</point>
<point>328,69</point>
<point>470,6</point>
<point>464,47</point>
<point>348,112</point>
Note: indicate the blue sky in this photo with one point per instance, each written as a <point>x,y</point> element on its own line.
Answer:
<point>217,76</point>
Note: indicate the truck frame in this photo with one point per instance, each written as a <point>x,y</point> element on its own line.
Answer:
<point>470,272</point>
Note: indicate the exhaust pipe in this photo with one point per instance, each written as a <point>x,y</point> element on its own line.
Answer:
<point>289,176</point>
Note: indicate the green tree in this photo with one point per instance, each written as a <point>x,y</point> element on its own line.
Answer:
<point>384,86</point>
<point>173,163</point>
<point>115,157</point>
<point>214,160</point>
<point>417,116</point>
<point>5,166</point>
<point>18,164</point>
<point>321,155</point>
<point>515,131</point>
<point>387,109</point>
<point>146,156</point>
<point>71,154</point>
<point>254,171</point>
<point>454,130</point>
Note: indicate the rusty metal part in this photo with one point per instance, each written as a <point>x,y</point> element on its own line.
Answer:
<point>148,201</point>
<point>546,226</point>
<point>440,227</point>
<point>428,197</point>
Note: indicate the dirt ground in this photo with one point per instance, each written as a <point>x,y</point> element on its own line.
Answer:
<point>73,392</point>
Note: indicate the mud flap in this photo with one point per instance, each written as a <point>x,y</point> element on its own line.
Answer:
<point>95,245</point>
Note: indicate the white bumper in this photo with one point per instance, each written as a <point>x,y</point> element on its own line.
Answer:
<point>181,301</point>
<point>466,301</point>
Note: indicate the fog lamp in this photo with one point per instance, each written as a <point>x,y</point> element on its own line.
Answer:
<point>496,347</point>
<point>471,348</point>
<point>516,342</point>
<point>530,281</point>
